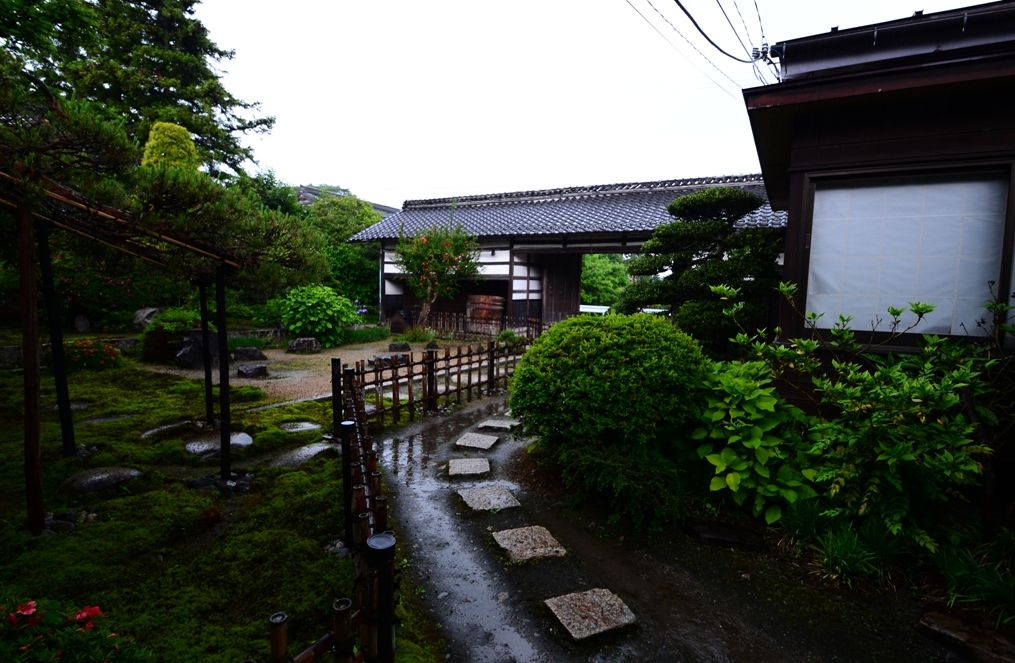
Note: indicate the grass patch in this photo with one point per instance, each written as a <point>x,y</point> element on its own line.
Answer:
<point>180,574</point>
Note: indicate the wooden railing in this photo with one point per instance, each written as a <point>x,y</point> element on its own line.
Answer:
<point>398,387</point>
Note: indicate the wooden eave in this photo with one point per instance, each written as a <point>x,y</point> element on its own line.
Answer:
<point>774,110</point>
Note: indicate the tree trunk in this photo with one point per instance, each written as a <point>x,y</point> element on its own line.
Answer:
<point>424,313</point>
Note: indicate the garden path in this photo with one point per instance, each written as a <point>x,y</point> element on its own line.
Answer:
<point>692,602</point>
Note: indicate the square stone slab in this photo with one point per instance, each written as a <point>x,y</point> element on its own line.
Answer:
<point>477,441</point>
<point>488,498</point>
<point>498,424</point>
<point>460,467</point>
<point>585,614</point>
<point>527,543</point>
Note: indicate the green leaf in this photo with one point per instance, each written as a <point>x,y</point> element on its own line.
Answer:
<point>773,514</point>
<point>717,483</point>
<point>716,460</point>
<point>733,481</point>
<point>762,454</point>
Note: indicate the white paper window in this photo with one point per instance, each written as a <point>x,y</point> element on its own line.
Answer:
<point>930,240</point>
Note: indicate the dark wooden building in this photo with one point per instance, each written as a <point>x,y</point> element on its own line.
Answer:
<point>531,242</point>
<point>892,147</point>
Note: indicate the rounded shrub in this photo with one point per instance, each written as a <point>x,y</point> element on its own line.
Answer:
<point>614,401</point>
<point>631,380</point>
<point>318,311</point>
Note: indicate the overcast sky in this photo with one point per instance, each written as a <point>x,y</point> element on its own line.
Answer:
<point>399,100</point>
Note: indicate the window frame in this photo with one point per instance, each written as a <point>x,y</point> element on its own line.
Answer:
<point>1004,169</point>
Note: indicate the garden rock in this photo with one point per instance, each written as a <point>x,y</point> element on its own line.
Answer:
<point>249,353</point>
<point>191,355</point>
<point>399,347</point>
<point>209,445</point>
<point>99,478</point>
<point>126,345</point>
<point>252,371</point>
<point>460,467</point>
<point>981,641</point>
<point>307,345</point>
<point>144,316</point>
<point>722,534</point>
<point>525,543</point>
<point>488,498</point>
<point>585,614</point>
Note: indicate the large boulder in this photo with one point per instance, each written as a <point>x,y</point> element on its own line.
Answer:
<point>191,354</point>
<point>144,316</point>
<point>307,345</point>
<point>251,371</point>
<point>249,353</point>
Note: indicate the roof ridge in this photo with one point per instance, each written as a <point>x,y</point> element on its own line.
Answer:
<point>578,191</point>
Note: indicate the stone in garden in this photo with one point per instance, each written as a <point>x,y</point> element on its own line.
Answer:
<point>98,478</point>
<point>299,426</point>
<point>433,345</point>
<point>191,354</point>
<point>461,467</point>
<point>527,543</point>
<point>307,345</point>
<point>982,641</point>
<point>726,535</point>
<point>126,345</point>
<point>167,429</point>
<point>477,441</point>
<point>297,457</point>
<point>498,424</point>
<point>488,498</point>
<point>399,347</point>
<point>209,444</point>
<point>249,353</point>
<point>589,613</point>
<point>251,371</point>
<point>144,316</point>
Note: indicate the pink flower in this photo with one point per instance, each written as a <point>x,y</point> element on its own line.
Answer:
<point>88,612</point>
<point>26,609</point>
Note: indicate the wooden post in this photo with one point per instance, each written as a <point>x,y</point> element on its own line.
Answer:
<point>337,404</point>
<point>491,367</point>
<point>347,430</point>
<point>279,637</point>
<point>30,362</point>
<point>225,433</point>
<point>345,634</point>
<point>56,341</point>
<point>431,380</point>
<point>209,398</point>
<point>380,551</point>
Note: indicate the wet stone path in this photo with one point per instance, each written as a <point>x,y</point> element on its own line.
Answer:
<point>513,574</point>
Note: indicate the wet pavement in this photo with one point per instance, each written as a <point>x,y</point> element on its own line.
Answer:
<point>691,601</point>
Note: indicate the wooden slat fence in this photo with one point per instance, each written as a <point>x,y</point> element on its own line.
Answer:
<point>460,326</point>
<point>401,386</point>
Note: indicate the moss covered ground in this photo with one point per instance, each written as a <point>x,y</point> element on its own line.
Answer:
<point>183,574</point>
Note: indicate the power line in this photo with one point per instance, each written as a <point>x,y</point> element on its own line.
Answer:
<point>674,47</point>
<point>760,24</point>
<point>758,71</point>
<point>707,38</point>
<point>754,64</point>
<point>691,44</point>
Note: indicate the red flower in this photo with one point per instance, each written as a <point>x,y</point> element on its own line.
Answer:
<point>13,619</point>
<point>88,612</point>
<point>26,609</point>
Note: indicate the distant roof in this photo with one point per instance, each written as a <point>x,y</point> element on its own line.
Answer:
<point>308,194</point>
<point>635,207</point>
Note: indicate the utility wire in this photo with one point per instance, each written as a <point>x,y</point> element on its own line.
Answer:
<point>754,64</point>
<point>674,47</point>
<point>759,72</point>
<point>707,38</point>
<point>690,43</point>
<point>760,24</point>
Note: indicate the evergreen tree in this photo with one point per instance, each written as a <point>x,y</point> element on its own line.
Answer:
<point>701,248</point>
<point>154,63</point>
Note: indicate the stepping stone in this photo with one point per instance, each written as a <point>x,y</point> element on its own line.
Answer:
<point>210,445</point>
<point>585,614</point>
<point>460,467</point>
<point>499,424</point>
<point>477,441</point>
<point>488,498</point>
<point>99,478</point>
<point>527,543</point>
<point>299,426</point>
<point>297,457</point>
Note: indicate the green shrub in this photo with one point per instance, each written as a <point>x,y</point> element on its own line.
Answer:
<point>509,337</point>
<point>418,335</point>
<point>318,311</point>
<point>246,342</point>
<point>269,314</point>
<point>754,440</point>
<point>842,557</point>
<point>617,379</point>
<point>93,354</point>
<point>613,400</point>
<point>366,334</point>
<point>162,339</point>
<point>982,577</point>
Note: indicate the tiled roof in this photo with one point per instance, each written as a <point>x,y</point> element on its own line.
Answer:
<point>636,207</point>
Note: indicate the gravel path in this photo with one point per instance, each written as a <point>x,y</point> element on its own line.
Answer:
<point>290,376</point>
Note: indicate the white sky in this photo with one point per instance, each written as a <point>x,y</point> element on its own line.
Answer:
<point>406,99</point>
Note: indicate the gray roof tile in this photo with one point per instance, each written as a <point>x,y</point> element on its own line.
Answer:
<point>636,207</point>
